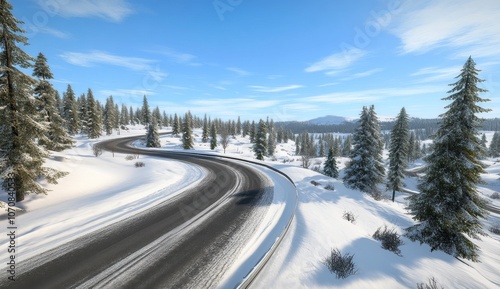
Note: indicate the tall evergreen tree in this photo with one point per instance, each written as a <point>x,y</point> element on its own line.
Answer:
<point>398,153</point>
<point>109,115</point>
<point>365,170</point>
<point>260,145</point>
<point>213,136</point>
<point>70,111</point>
<point>176,126</point>
<point>131,116</point>
<point>204,133</point>
<point>93,118</point>
<point>56,137</point>
<point>146,112</point>
<point>152,136</point>
<point>449,207</point>
<point>330,167</point>
<point>494,150</point>
<point>20,157</point>
<point>187,133</point>
<point>271,142</point>
<point>124,116</point>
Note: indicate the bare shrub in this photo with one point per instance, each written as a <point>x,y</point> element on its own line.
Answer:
<point>96,150</point>
<point>390,239</point>
<point>341,265</point>
<point>306,161</point>
<point>349,216</point>
<point>330,187</point>
<point>129,157</point>
<point>139,164</point>
<point>431,284</point>
<point>313,182</point>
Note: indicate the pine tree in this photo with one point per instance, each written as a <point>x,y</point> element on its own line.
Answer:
<point>449,207</point>
<point>56,138</point>
<point>21,160</point>
<point>238,126</point>
<point>152,136</point>
<point>124,116</point>
<point>176,126</point>
<point>204,134</point>
<point>398,153</point>
<point>131,116</point>
<point>157,116</point>
<point>366,169</point>
<point>213,136</point>
<point>271,142</point>
<point>252,132</point>
<point>146,112</point>
<point>109,115</point>
<point>494,150</point>
<point>260,145</point>
<point>187,133</point>
<point>70,111</point>
<point>82,113</point>
<point>330,167</point>
<point>93,118</point>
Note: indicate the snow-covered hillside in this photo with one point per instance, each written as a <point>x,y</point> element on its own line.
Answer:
<point>101,190</point>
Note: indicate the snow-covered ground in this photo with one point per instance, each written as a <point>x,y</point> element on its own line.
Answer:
<point>101,190</point>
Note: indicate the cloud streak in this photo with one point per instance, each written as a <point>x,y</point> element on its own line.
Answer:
<point>337,61</point>
<point>259,88</point>
<point>470,27</point>
<point>111,10</point>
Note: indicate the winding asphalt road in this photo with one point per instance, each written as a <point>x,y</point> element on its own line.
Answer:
<point>185,242</point>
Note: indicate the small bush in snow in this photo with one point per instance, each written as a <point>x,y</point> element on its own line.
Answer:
<point>96,150</point>
<point>139,164</point>
<point>341,265</point>
<point>377,195</point>
<point>313,182</point>
<point>316,169</point>
<point>495,229</point>
<point>330,187</point>
<point>349,216</point>
<point>431,284</point>
<point>306,161</point>
<point>389,238</point>
<point>495,196</point>
<point>129,157</point>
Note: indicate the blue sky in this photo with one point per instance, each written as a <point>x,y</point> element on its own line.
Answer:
<point>286,59</point>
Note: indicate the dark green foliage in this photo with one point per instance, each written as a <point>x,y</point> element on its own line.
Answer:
<point>187,132</point>
<point>260,141</point>
<point>398,152</point>
<point>449,207</point>
<point>330,167</point>
<point>341,265</point>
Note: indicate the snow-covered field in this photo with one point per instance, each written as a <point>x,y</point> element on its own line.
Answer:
<point>99,191</point>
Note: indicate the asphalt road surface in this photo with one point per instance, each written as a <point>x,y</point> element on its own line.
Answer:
<point>188,241</point>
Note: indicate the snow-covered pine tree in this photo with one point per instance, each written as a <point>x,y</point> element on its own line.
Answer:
<point>124,116</point>
<point>494,150</point>
<point>204,134</point>
<point>213,136</point>
<point>70,111</point>
<point>131,116</point>
<point>93,118</point>
<point>176,126</point>
<point>238,126</point>
<point>398,153</point>
<point>449,207</point>
<point>271,142</point>
<point>365,170</point>
<point>252,132</point>
<point>56,137</point>
<point>152,136</point>
<point>21,159</point>
<point>157,116</point>
<point>146,112</point>
<point>187,132</point>
<point>109,115</point>
<point>330,166</point>
<point>260,144</point>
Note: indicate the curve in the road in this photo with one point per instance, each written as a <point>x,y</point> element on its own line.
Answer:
<point>219,209</point>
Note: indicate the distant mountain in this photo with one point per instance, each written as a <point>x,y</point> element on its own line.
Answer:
<point>329,119</point>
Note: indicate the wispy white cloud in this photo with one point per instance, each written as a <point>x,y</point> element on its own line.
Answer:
<point>362,74</point>
<point>328,84</point>
<point>337,61</point>
<point>53,32</point>
<point>239,104</point>
<point>99,57</point>
<point>468,27</point>
<point>373,94</point>
<point>176,56</point>
<point>239,71</point>
<point>259,88</point>
<point>111,10</point>
<point>431,74</point>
